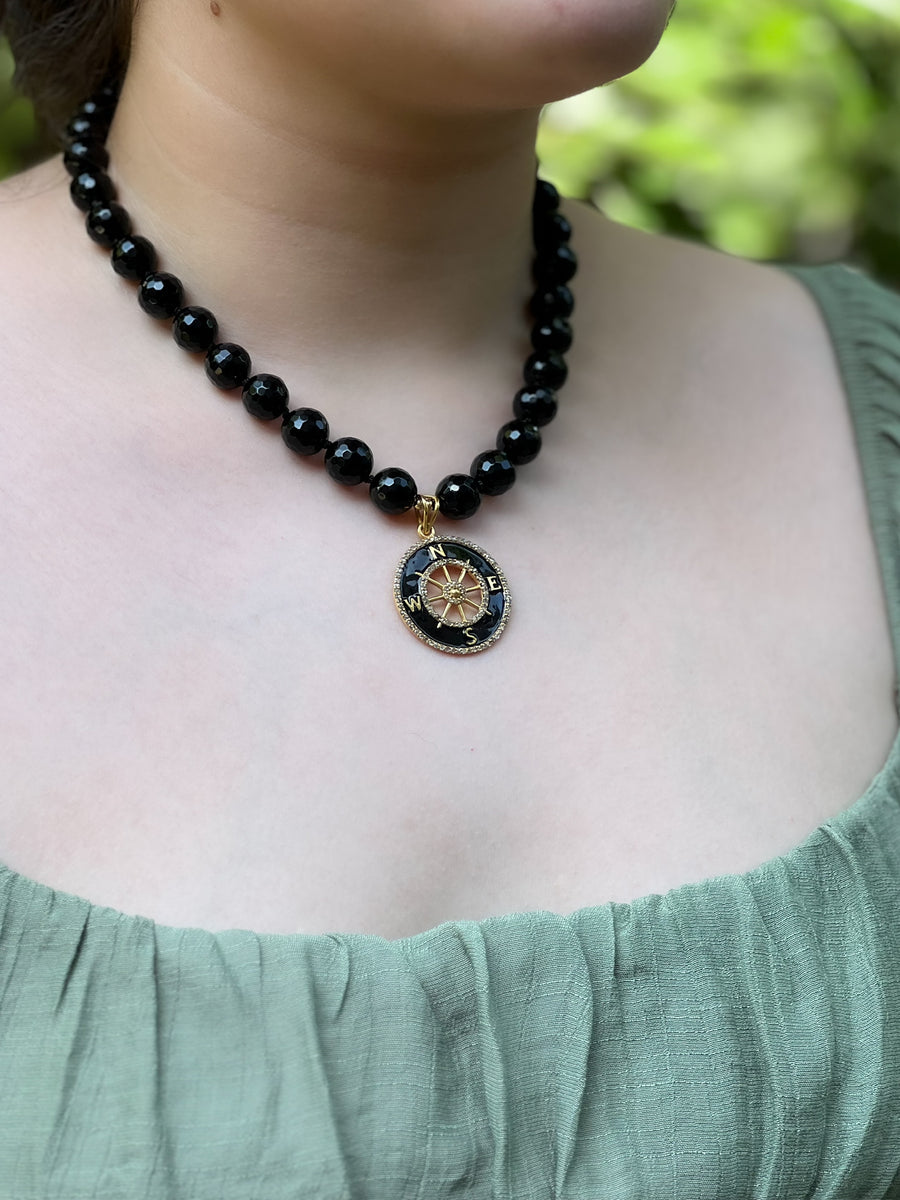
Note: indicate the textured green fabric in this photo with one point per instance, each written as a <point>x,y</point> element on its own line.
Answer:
<point>733,1039</point>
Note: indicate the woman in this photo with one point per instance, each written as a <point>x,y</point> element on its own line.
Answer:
<point>294,904</point>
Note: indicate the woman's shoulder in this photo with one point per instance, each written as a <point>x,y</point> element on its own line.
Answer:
<point>27,199</point>
<point>32,181</point>
<point>721,290</point>
<point>54,318</point>
<point>775,327</point>
<point>33,238</point>
<point>693,300</point>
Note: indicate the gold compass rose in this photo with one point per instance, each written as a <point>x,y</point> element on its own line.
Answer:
<point>453,592</point>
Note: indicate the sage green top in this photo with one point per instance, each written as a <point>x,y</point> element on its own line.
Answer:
<point>735,1039</point>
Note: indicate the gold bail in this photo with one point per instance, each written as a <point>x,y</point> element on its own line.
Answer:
<point>427,507</point>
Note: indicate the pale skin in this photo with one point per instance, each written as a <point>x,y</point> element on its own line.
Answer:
<point>215,716</point>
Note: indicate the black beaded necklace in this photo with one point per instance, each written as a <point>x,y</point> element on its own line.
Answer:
<point>449,591</point>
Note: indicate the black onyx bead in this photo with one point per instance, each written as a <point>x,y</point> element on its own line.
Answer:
<point>393,490</point>
<point>551,229</point>
<point>107,223</point>
<point>266,397</point>
<point>349,461</point>
<point>107,96</point>
<point>133,257</point>
<point>520,441</point>
<point>83,127</point>
<point>545,370</point>
<point>536,406</point>
<point>227,365</point>
<point>546,197</point>
<point>556,264</point>
<point>493,473</point>
<point>458,496</point>
<point>305,431</point>
<point>96,111</point>
<point>91,185</point>
<point>83,153</point>
<point>554,335</point>
<point>552,301</point>
<point>161,295</point>
<point>195,329</point>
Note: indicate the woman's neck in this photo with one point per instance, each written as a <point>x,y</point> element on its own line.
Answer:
<point>312,217</point>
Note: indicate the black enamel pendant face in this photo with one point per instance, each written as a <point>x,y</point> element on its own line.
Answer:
<point>452,595</point>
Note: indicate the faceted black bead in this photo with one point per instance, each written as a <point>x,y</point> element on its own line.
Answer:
<point>305,431</point>
<point>228,365</point>
<point>91,185</point>
<point>458,496</point>
<point>557,264</point>
<point>83,127</point>
<point>551,229</point>
<point>535,406</point>
<point>161,294</point>
<point>94,110</point>
<point>552,301</point>
<point>393,490</point>
<point>266,397</point>
<point>553,335</point>
<point>545,370</point>
<point>493,473</point>
<point>107,96</point>
<point>107,223</point>
<point>195,329</point>
<point>546,197</point>
<point>83,153</point>
<point>520,441</point>
<point>349,461</point>
<point>133,257</point>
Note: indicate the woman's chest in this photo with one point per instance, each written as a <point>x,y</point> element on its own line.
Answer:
<point>215,715</point>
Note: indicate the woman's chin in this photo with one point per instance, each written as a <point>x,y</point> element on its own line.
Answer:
<point>552,49</point>
<point>475,55</point>
<point>607,38</point>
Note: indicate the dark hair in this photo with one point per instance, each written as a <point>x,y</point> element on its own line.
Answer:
<point>64,50</point>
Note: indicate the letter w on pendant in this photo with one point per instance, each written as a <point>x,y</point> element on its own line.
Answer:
<point>413,603</point>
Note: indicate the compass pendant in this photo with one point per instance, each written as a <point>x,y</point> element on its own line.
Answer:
<point>452,594</point>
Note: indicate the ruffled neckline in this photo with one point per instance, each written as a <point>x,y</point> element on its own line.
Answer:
<point>879,805</point>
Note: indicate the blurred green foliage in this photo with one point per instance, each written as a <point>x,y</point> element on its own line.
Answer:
<point>19,134</point>
<point>769,129</point>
